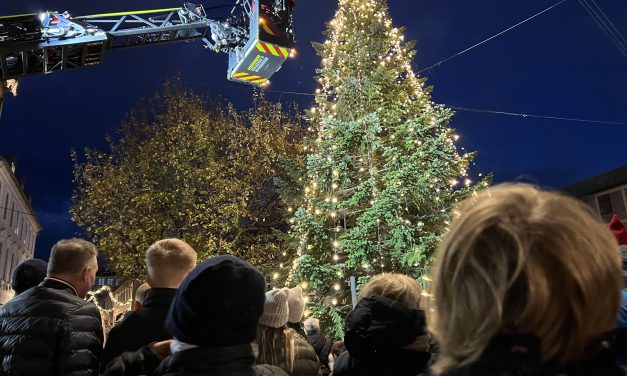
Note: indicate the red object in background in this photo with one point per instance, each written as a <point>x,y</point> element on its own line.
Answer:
<point>618,229</point>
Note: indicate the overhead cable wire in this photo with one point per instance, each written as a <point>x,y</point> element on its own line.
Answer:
<point>536,116</point>
<point>606,25</point>
<point>608,21</point>
<point>468,109</point>
<point>242,87</point>
<point>490,38</point>
<point>507,113</point>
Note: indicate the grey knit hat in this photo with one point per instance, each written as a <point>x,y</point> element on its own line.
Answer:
<point>275,310</point>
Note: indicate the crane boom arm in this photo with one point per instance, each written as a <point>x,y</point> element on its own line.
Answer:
<point>139,28</point>
<point>258,36</point>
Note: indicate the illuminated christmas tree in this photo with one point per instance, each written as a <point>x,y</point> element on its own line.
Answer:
<point>382,170</point>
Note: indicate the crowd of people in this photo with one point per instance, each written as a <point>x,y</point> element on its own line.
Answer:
<point>525,282</point>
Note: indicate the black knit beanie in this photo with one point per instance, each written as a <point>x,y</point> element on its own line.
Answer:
<point>28,274</point>
<point>218,304</point>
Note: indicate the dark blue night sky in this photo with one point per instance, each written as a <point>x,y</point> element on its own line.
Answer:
<point>558,64</point>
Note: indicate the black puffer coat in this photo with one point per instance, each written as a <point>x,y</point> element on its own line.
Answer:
<point>376,331</point>
<point>322,345</point>
<point>200,361</point>
<point>519,354</point>
<point>49,331</point>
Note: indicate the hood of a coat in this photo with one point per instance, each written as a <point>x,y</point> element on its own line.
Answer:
<point>379,325</point>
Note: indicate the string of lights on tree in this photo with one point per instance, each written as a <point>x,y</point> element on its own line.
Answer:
<point>382,168</point>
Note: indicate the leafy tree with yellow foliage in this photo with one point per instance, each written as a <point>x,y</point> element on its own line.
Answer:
<point>184,167</point>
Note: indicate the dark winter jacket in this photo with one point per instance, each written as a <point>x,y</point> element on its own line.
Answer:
<point>519,355</point>
<point>142,327</point>
<point>376,331</point>
<point>322,345</point>
<point>306,362</point>
<point>49,331</point>
<point>200,361</point>
<point>297,328</point>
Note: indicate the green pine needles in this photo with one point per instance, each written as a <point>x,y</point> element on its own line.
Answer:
<point>382,169</point>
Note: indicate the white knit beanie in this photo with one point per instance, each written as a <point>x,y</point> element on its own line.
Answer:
<point>275,310</point>
<point>296,303</point>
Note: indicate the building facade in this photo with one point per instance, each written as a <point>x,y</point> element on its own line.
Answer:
<point>19,226</point>
<point>606,194</point>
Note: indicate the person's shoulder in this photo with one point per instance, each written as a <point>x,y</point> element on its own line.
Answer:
<point>38,301</point>
<point>268,370</point>
<point>56,296</point>
<point>344,357</point>
<point>342,366</point>
<point>132,321</point>
<point>83,306</point>
<point>304,351</point>
<point>130,317</point>
<point>328,342</point>
<point>80,308</point>
<point>302,343</point>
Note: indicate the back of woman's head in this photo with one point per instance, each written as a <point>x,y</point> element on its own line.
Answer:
<point>276,346</point>
<point>394,286</point>
<point>517,259</point>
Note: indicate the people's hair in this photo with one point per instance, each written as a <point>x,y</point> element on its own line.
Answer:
<point>140,293</point>
<point>395,286</point>
<point>276,346</point>
<point>70,256</point>
<point>311,324</point>
<point>521,260</point>
<point>168,261</point>
<point>337,348</point>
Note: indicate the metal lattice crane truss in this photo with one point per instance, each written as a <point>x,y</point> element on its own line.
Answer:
<point>258,36</point>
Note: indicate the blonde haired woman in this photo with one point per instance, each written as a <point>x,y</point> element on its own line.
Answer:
<point>526,282</point>
<point>385,333</point>
<point>278,345</point>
